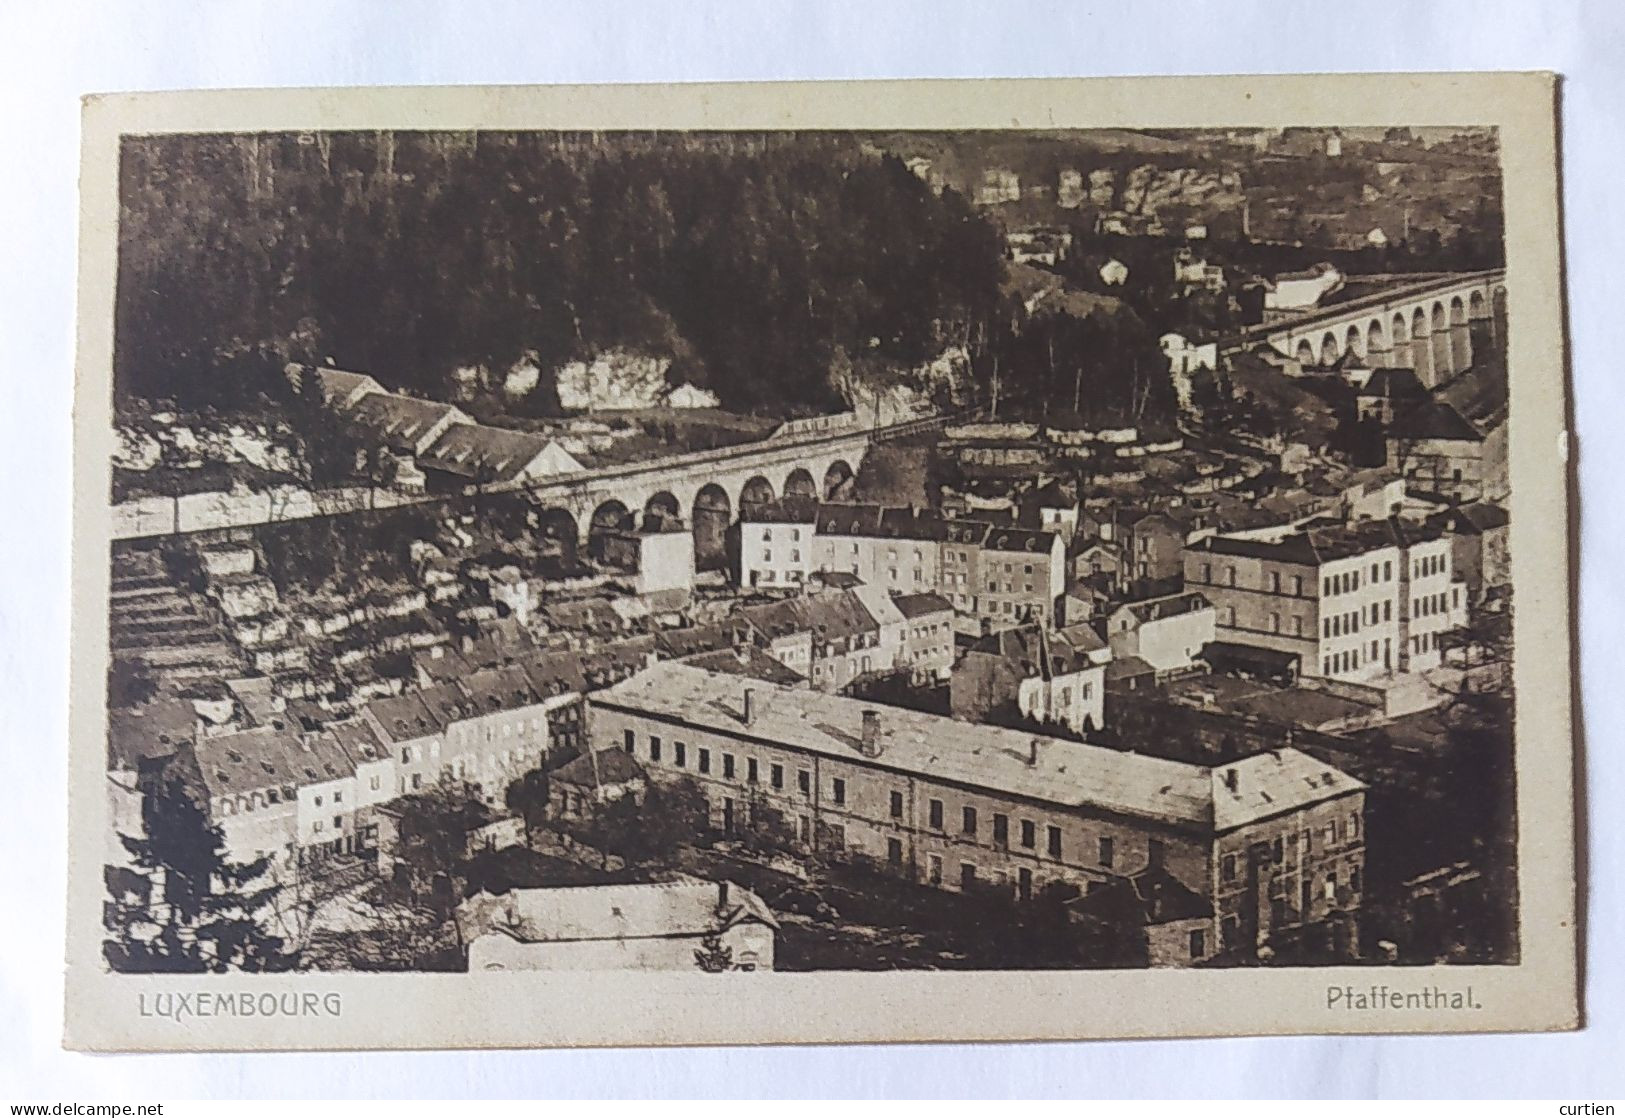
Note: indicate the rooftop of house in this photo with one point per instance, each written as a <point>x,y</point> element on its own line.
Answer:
<point>1152,896</point>
<point>601,768</point>
<point>340,384</point>
<point>267,757</point>
<point>1433,420</point>
<point>1035,654</point>
<point>785,510</point>
<point>610,663</point>
<point>749,662</point>
<point>356,738</point>
<point>1008,540</point>
<point>496,689</point>
<point>1128,667</point>
<point>1082,637</point>
<point>492,454</point>
<point>399,421</point>
<point>148,733</point>
<point>1053,495</point>
<point>556,673</point>
<point>1172,605</point>
<point>922,605</point>
<point>1472,519</point>
<point>718,636</point>
<point>416,714</point>
<point>1054,771</point>
<point>1393,384</point>
<point>775,620</point>
<point>837,616</point>
<point>1318,541</point>
<point>687,907</point>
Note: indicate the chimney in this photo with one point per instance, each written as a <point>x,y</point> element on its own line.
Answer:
<point>749,712</point>
<point>722,898</point>
<point>871,733</point>
<point>1230,780</point>
<point>1034,744</point>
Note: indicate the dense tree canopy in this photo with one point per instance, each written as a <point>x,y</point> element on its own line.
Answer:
<point>751,262</point>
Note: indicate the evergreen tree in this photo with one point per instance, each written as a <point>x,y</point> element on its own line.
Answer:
<point>186,908</point>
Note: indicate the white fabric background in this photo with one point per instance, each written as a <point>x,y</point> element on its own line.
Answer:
<point>52,51</point>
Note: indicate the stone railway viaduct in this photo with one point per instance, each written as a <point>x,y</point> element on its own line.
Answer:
<point>1423,325</point>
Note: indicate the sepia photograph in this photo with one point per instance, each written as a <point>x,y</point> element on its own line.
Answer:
<point>727,550</point>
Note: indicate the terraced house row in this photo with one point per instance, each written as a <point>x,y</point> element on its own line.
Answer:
<point>1006,575</point>
<point>1267,845</point>
<point>287,789</point>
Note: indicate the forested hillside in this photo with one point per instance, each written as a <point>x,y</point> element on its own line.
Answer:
<point>756,264</point>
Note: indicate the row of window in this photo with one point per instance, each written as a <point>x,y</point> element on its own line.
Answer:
<point>969,821</point>
<point>1429,605</point>
<point>1427,565</point>
<point>1345,623</point>
<point>1335,832</point>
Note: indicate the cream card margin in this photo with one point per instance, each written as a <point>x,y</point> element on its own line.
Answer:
<point>112,1012</point>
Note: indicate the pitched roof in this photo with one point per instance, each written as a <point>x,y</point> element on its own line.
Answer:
<point>340,384</point>
<point>556,673</point>
<point>686,907</point>
<point>776,620</point>
<point>600,768</point>
<point>1128,667</point>
<point>1321,541</point>
<point>1173,605</point>
<point>1065,773</point>
<point>838,616</point>
<point>356,738</point>
<point>494,689</point>
<point>495,454</point>
<point>417,714</point>
<point>1480,516</point>
<point>785,510</point>
<point>1394,384</point>
<point>1034,653</point>
<point>848,520</point>
<point>148,733</point>
<point>1006,540</point>
<point>721,635</point>
<point>1433,420</point>
<point>1152,896</point>
<point>966,530</point>
<point>399,421</point>
<point>266,757</point>
<point>749,662</point>
<point>920,605</point>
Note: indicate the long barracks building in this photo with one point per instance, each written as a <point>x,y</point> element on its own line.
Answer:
<point>1271,842</point>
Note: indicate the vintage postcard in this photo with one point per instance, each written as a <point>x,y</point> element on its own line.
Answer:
<point>821,563</point>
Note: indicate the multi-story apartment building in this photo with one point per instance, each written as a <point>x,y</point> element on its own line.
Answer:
<point>1353,601</point>
<point>928,636</point>
<point>1001,573</point>
<point>1031,672</point>
<point>955,805</point>
<point>502,730</point>
<point>1168,632</point>
<point>1438,450</point>
<point>776,544</point>
<point>895,549</point>
<point>412,726</point>
<point>1021,577</point>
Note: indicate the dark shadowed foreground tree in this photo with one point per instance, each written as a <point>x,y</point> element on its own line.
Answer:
<point>527,797</point>
<point>184,907</point>
<point>431,844</point>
